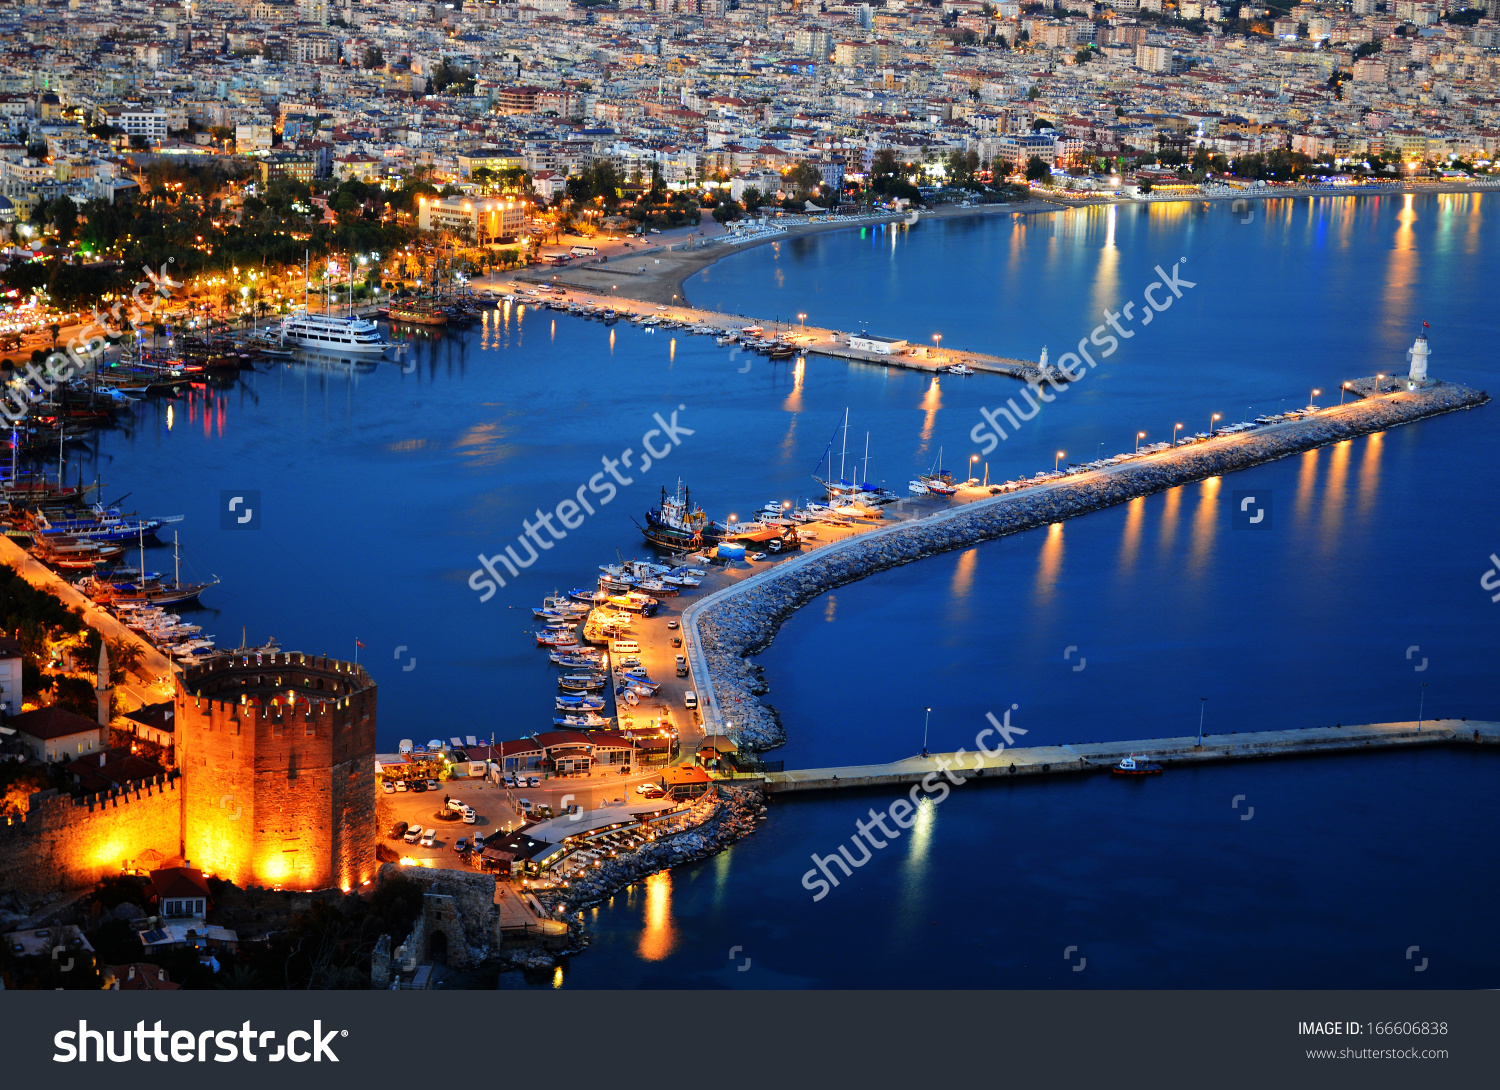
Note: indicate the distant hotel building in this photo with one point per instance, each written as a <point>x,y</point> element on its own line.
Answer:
<point>481,220</point>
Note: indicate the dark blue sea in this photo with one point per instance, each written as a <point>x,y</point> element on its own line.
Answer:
<point>380,486</point>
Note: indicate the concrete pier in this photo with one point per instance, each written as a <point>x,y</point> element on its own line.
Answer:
<point>1076,759</point>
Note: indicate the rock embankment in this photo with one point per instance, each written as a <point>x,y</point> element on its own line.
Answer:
<point>740,620</point>
<point>733,813</point>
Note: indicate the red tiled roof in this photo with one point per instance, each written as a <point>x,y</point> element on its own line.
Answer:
<point>52,722</point>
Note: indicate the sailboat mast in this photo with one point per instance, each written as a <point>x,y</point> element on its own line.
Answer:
<point>844,453</point>
<point>141,529</point>
<point>865,473</point>
<point>176,562</point>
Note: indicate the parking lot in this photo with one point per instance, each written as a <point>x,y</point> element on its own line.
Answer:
<point>497,807</point>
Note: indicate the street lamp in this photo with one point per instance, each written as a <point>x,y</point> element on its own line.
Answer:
<point>1211,421</point>
<point>1342,391</point>
<point>1310,403</point>
<point>937,342</point>
<point>802,320</point>
<point>1057,459</point>
<point>1175,429</point>
<point>1138,437</point>
<point>924,731</point>
<point>972,459</point>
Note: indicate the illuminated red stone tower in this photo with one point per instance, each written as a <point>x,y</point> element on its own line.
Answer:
<point>278,759</point>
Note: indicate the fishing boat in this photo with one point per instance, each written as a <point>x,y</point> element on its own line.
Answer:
<point>938,480</point>
<point>580,683</point>
<point>635,602</point>
<point>657,586</point>
<point>592,597</point>
<point>589,721</point>
<point>677,524</point>
<point>1131,767</point>
<point>104,524</point>
<point>418,314</point>
<point>557,638</point>
<point>580,703</point>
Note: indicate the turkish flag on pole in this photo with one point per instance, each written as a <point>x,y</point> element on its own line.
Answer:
<point>1426,326</point>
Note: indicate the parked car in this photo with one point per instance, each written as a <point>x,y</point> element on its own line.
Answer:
<point>682,670</point>
<point>676,641</point>
<point>641,789</point>
<point>672,624</point>
<point>418,785</point>
<point>470,816</point>
<point>510,781</point>
<point>461,845</point>
<point>690,700</point>
<point>400,785</point>
<point>413,834</point>
<point>457,805</point>
<point>525,805</point>
<point>533,781</point>
<point>388,787</point>
<point>429,839</point>
<point>398,830</point>
<point>432,785</point>
<point>654,792</point>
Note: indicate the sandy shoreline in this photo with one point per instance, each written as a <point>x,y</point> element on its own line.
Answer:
<point>667,270</point>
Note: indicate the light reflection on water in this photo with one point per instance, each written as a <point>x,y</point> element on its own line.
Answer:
<point>659,935</point>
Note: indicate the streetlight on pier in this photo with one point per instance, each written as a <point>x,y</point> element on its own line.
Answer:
<point>1138,437</point>
<point>972,459</point>
<point>937,343</point>
<point>1175,429</point>
<point>1310,403</point>
<point>802,319</point>
<point>1344,389</point>
<point>925,721</point>
<point>1058,459</point>
<point>1212,420</point>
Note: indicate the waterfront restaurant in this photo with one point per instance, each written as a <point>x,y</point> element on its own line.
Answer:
<point>684,783</point>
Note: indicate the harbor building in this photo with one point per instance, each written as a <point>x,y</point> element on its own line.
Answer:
<point>277,753</point>
<point>480,220</point>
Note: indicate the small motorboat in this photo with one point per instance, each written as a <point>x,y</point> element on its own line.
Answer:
<point>580,683</point>
<point>1131,767</point>
<point>577,704</point>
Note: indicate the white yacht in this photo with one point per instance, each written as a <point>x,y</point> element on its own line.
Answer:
<point>332,333</point>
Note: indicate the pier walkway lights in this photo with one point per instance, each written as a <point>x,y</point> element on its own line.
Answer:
<point>1175,429</point>
<point>1138,437</point>
<point>1342,391</point>
<point>1311,404</point>
<point>802,319</point>
<point>937,342</point>
<point>1212,420</point>
<point>1057,459</point>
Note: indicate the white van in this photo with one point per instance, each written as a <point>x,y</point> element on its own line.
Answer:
<point>690,700</point>
<point>624,647</point>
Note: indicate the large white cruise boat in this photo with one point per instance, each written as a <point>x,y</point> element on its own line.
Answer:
<point>332,333</point>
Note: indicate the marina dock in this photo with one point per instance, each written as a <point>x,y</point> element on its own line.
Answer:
<point>813,340</point>
<point>1078,759</point>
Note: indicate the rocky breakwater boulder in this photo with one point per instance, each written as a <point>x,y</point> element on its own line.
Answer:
<point>732,813</point>
<point>745,618</point>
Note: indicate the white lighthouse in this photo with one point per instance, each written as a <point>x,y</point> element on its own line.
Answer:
<point>1419,353</point>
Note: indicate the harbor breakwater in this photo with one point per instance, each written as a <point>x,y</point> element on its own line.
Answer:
<point>724,628</point>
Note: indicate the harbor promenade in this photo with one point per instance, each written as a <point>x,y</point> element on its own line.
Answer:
<point>1076,759</point>
<point>151,683</point>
